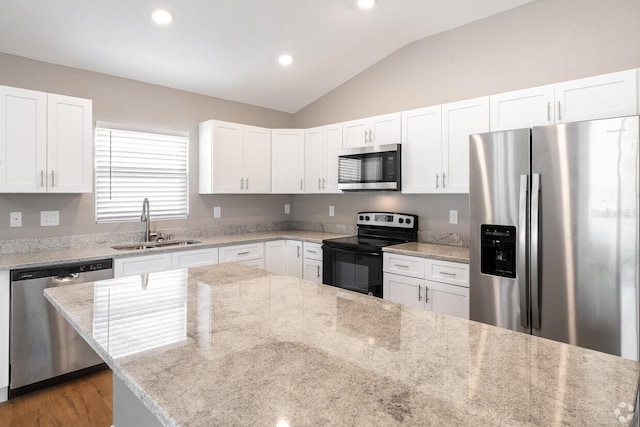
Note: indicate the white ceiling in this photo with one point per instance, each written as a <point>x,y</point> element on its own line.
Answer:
<point>228,48</point>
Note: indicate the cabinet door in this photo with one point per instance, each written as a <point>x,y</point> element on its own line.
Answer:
<point>141,264</point>
<point>385,129</point>
<point>355,133</point>
<point>404,290</point>
<point>69,144</point>
<point>522,108</point>
<point>274,256</point>
<point>257,167</point>
<point>287,161</point>
<point>312,270</point>
<point>422,150</point>
<point>4,333</point>
<point>447,299</point>
<point>459,120</point>
<point>332,144</point>
<point>314,154</point>
<point>226,141</point>
<point>293,258</point>
<point>608,95</point>
<point>194,258</point>
<point>23,140</point>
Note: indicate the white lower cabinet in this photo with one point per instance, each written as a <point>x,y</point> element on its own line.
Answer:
<point>312,262</point>
<point>284,257</point>
<point>4,334</point>
<point>438,286</point>
<point>141,264</point>
<point>274,256</point>
<point>194,258</point>
<point>250,254</point>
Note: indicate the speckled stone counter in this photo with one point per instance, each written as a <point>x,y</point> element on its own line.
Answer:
<point>230,345</point>
<point>101,251</point>
<point>428,250</point>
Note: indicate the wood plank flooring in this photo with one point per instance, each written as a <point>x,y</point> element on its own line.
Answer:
<point>86,401</point>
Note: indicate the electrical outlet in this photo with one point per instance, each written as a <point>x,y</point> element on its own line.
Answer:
<point>332,211</point>
<point>216,212</point>
<point>287,208</point>
<point>49,218</point>
<point>453,217</point>
<point>15,219</point>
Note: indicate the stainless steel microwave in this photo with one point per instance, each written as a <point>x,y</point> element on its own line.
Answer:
<point>370,168</point>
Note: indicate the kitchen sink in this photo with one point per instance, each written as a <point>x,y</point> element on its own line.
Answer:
<point>152,245</point>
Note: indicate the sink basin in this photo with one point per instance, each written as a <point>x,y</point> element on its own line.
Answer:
<point>151,245</point>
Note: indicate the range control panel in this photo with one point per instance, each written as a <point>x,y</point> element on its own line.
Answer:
<point>387,219</point>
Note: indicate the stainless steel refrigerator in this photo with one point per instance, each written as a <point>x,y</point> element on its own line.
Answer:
<point>554,243</point>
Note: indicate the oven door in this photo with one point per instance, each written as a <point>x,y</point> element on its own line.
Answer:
<point>351,269</point>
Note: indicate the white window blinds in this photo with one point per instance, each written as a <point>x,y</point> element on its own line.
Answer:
<point>133,165</point>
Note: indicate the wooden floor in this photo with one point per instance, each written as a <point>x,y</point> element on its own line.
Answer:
<point>86,401</point>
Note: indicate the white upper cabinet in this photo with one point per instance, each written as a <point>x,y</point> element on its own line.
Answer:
<point>599,97</point>
<point>384,129</point>
<point>321,145</point>
<point>287,161</point>
<point>45,142</point>
<point>233,158</point>
<point>523,108</point>
<point>421,149</point>
<point>459,120</point>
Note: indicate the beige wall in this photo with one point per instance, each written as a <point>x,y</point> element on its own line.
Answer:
<point>543,42</point>
<point>134,103</point>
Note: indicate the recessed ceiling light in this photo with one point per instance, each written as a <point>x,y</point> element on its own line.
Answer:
<point>366,4</point>
<point>285,59</point>
<point>162,17</point>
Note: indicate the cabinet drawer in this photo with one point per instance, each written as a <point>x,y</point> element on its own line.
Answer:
<point>448,272</point>
<point>312,250</point>
<point>141,264</point>
<point>405,265</point>
<point>241,252</point>
<point>255,263</point>
<point>194,258</point>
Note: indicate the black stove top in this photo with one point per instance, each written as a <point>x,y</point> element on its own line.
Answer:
<point>362,243</point>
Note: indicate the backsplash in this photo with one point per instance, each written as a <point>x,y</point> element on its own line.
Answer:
<point>88,240</point>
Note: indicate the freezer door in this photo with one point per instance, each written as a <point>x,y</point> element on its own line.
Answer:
<point>498,193</point>
<point>587,256</point>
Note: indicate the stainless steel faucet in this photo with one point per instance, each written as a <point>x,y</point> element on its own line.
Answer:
<point>146,217</point>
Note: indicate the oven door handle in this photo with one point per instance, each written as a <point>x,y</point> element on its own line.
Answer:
<point>352,252</point>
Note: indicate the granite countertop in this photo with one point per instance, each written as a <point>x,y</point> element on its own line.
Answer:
<point>96,252</point>
<point>428,250</point>
<point>230,345</point>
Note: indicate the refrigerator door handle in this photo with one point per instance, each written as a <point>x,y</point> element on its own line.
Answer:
<point>535,241</point>
<point>523,281</point>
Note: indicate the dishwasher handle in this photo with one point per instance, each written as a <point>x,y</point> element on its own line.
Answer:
<point>66,278</point>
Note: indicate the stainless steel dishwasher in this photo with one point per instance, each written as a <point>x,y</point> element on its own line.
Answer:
<point>43,348</point>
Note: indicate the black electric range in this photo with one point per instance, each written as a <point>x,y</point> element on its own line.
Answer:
<point>355,262</point>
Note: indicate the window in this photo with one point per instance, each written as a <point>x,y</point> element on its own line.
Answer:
<point>132,165</point>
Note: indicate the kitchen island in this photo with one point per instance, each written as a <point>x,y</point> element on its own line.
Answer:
<point>231,345</point>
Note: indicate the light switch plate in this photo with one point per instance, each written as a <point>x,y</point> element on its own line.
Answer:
<point>216,212</point>
<point>49,218</point>
<point>287,208</point>
<point>15,219</point>
<point>332,211</point>
<point>453,217</point>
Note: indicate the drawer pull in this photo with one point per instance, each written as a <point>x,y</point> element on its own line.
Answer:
<point>419,293</point>
<point>311,252</point>
<point>243,253</point>
<point>445,273</point>
<point>401,265</point>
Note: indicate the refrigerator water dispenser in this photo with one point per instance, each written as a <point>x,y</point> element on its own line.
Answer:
<point>498,250</point>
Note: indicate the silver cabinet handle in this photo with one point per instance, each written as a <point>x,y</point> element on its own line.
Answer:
<point>242,183</point>
<point>533,273</point>
<point>298,250</point>
<point>301,187</point>
<point>523,289</point>
<point>549,112</point>
<point>401,265</point>
<point>444,176</point>
<point>53,179</point>
<point>419,293</point>
<point>41,178</point>
<point>371,136</point>
<point>319,184</point>
<point>318,267</point>
<point>446,273</point>
<point>365,135</point>
<point>246,183</point>
<point>559,111</point>
<point>311,252</point>
<point>324,184</point>
<point>437,182</point>
<point>426,294</point>
<point>243,253</point>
